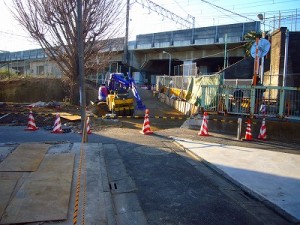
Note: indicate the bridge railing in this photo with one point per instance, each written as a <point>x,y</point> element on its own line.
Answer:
<point>271,101</point>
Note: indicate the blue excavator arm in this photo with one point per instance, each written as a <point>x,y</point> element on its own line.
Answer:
<point>128,83</point>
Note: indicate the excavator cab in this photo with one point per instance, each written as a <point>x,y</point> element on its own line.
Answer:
<point>119,100</point>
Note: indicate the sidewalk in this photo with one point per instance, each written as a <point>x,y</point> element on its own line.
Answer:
<point>271,176</point>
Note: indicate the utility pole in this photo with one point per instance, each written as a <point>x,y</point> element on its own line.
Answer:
<point>80,70</point>
<point>125,57</point>
<point>225,51</point>
<point>170,60</point>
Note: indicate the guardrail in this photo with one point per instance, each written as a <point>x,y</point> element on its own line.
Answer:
<point>271,101</point>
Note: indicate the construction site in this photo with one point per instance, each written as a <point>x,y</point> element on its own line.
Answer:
<point>152,151</point>
<point>190,125</point>
<point>48,176</point>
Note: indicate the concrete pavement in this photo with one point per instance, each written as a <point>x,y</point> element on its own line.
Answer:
<point>271,176</point>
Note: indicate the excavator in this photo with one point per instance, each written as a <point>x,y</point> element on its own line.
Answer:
<point>119,101</point>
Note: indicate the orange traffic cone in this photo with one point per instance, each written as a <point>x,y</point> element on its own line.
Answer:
<point>88,128</point>
<point>146,126</point>
<point>31,123</point>
<point>204,127</point>
<point>57,125</point>
<point>248,135</point>
<point>263,131</point>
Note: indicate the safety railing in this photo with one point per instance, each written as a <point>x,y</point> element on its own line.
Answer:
<point>180,82</point>
<point>271,101</point>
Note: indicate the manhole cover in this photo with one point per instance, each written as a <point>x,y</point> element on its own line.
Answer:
<point>152,150</point>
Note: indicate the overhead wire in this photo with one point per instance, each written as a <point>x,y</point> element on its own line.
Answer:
<point>256,4</point>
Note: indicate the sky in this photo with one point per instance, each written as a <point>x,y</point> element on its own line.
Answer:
<point>144,21</point>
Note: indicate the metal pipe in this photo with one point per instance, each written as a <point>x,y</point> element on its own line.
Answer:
<point>239,129</point>
<point>286,54</point>
<point>262,68</point>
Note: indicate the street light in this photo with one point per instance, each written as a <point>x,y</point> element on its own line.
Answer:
<point>170,58</point>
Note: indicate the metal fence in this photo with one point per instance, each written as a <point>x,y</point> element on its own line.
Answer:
<point>271,101</point>
<point>180,82</point>
<point>189,69</point>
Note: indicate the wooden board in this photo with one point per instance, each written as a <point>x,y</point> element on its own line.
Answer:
<point>45,195</point>
<point>69,116</point>
<point>27,157</point>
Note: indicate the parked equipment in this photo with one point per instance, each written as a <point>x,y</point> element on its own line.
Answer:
<point>119,100</point>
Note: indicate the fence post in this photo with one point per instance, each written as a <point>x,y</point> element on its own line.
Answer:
<point>203,97</point>
<point>281,102</point>
<point>227,99</point>
<point>239,129</point>
<point>252,100</point>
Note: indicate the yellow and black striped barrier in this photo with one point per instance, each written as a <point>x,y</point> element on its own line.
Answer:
<point>73,117</point>
<point>155,117</point>
<point>69,116</point>
<point>221,120</point>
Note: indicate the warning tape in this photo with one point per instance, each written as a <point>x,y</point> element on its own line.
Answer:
<point>33,113</point>
<point>77,196</point>
<point>92,115</point>
<point>84,191</point>
<point>155,117</point>
<point>129,117</point>
<point>221,120</point>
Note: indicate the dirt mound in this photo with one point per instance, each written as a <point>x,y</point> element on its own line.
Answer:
<point>31,89</point>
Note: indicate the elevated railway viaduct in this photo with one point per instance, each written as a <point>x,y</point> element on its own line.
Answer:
<point>152,53</point>
<point>205,47</point>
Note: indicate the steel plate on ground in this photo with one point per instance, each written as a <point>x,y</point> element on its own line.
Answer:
<point>6,189</point>
<point>27,157</point>
<point>45,195</point>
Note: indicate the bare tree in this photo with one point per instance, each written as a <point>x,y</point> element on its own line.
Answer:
<point>52,23</point>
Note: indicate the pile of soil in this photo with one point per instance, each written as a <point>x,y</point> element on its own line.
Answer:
<point>15,114</point>
<point>34,89</point>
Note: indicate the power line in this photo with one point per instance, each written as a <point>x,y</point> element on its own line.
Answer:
<point>180,7</point>
<point>188,23</point>
<point>227,10</point>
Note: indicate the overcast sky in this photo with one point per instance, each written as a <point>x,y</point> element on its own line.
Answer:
<point>143,20</point>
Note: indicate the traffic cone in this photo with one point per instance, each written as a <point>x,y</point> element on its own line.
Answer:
<point>146,126</point>
<point>204,127</point>
<point>263,131</point>
<point>31,123</point>
<point>88,128</point>
<point>248,135</point>
<point>57,125</point>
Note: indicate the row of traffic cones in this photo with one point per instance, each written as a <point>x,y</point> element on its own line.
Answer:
<point>204,128</point>
<point>248,136</point>
<point>262,132</point>
<point>57,128</point>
